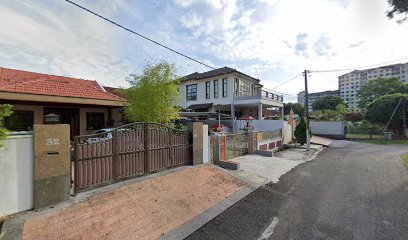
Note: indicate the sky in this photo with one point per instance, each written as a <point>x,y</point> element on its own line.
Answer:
<point>273,40</point>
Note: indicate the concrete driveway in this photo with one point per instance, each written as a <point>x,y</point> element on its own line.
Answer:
<point>261,169</point>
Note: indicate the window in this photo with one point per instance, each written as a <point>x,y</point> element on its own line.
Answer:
<point>207,90</point>
<point>20,121</point>
<point>215,88</point>
<point>95,121</point>
<point>224,87</point>
<point>191,92</point>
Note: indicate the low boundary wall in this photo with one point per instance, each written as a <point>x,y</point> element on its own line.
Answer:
<point>17,174</point>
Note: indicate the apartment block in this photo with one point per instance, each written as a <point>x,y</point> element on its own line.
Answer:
<point>351,83</point>
<point>315,96</point>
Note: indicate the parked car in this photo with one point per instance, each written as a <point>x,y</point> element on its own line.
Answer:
<point>102,138</point>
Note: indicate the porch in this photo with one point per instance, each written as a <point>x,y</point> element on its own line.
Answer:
<point>82,118</point>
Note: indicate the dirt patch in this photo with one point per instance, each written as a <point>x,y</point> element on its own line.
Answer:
<point>145,210</point>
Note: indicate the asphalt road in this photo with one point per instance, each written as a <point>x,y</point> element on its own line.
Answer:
<point>350,191</point>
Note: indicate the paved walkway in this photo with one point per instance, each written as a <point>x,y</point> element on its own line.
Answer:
<point>261,169</point>
<point>144,210</point>
<point>321,140</point>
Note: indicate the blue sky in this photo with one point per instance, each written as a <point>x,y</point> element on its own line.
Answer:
<point>269,39</point>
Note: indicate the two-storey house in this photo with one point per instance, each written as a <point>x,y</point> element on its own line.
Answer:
<point>229,91</point>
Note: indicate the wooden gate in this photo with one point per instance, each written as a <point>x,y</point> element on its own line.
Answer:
<point>128,151</point>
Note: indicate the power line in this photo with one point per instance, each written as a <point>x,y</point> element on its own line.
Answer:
<point>355,68</point>
<point>283,83</point>
<point>138,34</point>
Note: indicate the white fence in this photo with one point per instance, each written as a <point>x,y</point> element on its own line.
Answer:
<point>16,174</point>
<point>328,128</point>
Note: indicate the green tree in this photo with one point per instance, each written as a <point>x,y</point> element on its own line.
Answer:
<point>329,102</point>
<point>381,109</point>
<point>331,115</point>
<point>153,95</point>
<point>353,117</point>
<point>297,108</point>
<point>398,7</point>
<point>5,111</point>
<point>379,87</point>
<point>300,131</point>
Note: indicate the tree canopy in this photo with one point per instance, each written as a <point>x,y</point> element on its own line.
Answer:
<point>153,95</point>
<point>354,117</point>
<point>381,109</point>
<point>329,102</point>
<point>297,108</point>
<point>330,114</point>
<point>5,111</point>
<point>398,8</point>
<point>377,88</point>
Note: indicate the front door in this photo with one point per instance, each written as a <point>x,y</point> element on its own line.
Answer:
<point>67,116</point>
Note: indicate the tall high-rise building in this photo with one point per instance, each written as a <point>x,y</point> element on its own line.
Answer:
<point>315,96</point>
<point>350,83</point>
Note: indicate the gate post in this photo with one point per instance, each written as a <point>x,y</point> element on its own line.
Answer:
<point>52,164</point>
<point>115,156</point>
<point>198,143</point>
<point>146,147</point>
<point>252,142</point>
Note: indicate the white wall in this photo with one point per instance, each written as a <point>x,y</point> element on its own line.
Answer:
<point>260,125</point>
<point>201,91</point>
<point>327,128</point>
<point>206,144</point>
<point>16,174</point>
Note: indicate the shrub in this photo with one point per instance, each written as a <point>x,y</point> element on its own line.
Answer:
<point>5,111</point>
<point>300,132</point>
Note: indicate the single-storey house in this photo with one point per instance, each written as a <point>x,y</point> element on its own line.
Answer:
<point>42,98</point>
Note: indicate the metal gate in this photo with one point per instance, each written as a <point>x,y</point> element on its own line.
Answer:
<point>128,151</point>
<point>213,147</point>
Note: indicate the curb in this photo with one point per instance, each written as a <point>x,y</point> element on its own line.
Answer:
<point>197,222</point>
<point>187,228</point>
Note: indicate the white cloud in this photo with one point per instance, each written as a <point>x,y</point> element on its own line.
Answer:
<point>270,39</point>
<point>191,20</point>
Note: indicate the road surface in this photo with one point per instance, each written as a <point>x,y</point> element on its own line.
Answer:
<point>350,191</point>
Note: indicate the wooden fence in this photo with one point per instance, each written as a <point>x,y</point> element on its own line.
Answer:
<point>128,151</point>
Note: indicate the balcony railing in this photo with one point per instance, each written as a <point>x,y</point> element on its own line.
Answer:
<point>260,93</point>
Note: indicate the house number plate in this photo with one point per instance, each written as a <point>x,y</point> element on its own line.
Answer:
<point>52,141</point>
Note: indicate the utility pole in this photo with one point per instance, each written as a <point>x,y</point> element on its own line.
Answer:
<point>404,118</point>
<point>307,111</point>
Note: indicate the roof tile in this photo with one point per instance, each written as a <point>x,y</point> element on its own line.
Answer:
<point>12,80</point>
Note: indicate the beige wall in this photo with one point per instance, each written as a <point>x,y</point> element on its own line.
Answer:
<point>39,114</point>
<point>82,119</point>
<point>38,111</point>
<point>117,116</point>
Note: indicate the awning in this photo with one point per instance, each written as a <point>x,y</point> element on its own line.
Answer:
<point>200,106</point>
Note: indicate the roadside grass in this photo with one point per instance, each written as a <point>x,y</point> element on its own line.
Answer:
<point>362,136</point>
<point>386,142</point>
<point>404,158</point>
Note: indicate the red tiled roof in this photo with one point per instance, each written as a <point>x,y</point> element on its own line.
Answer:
<point>18,81</point>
